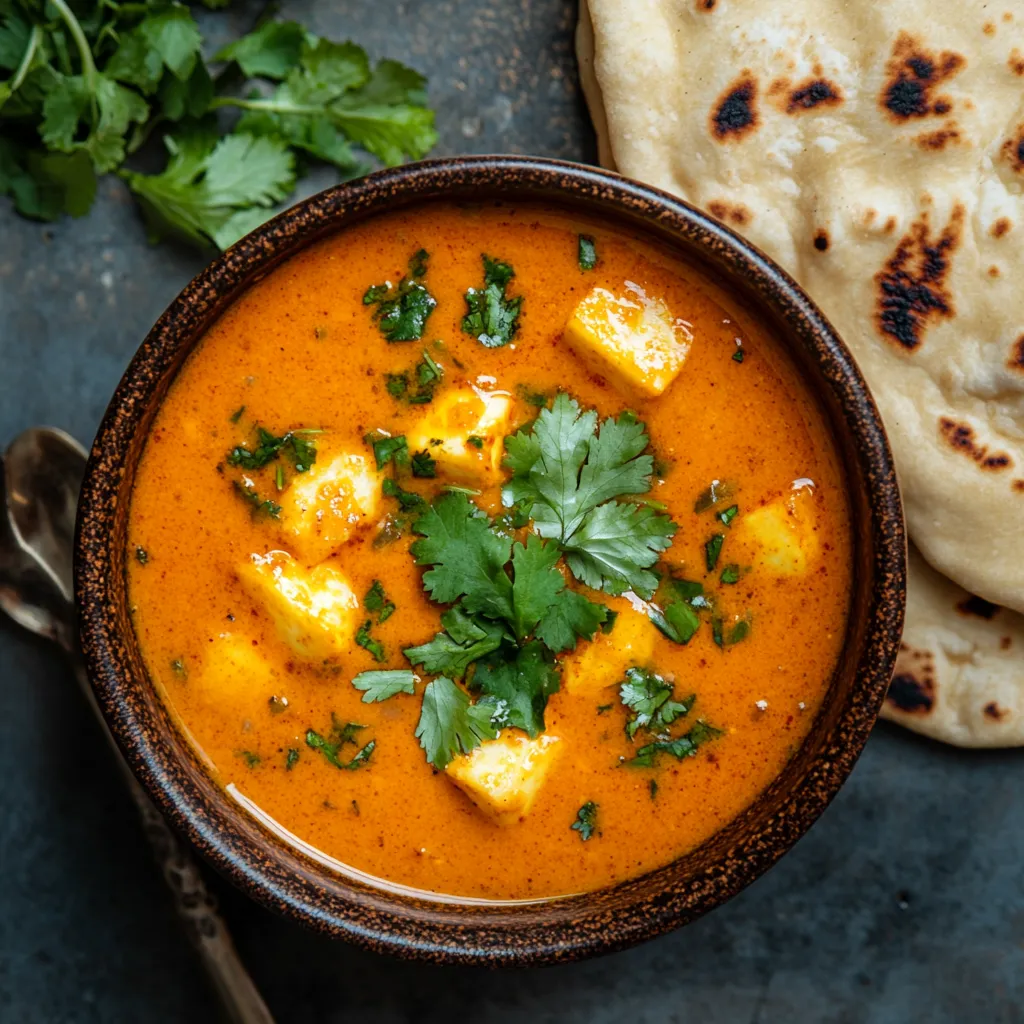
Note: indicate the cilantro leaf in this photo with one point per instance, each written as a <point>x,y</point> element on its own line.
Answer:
<point>294,444</point>
<point>519,685</point>
<point>376,600</point>
<point>713,549</point>
<point>385,448</point>
<point>648,697</point>
<point>260,507</point>
<point>407,500</point>
<point>365,640</point>
<point>45,185</point>
<point>466,555</point>
<point>269,51</point>
<point>536,584</point>
<point>587,253</point>
<point>685,746</point>
<point>403,309</point>
<point>678,621</point>
<point>491,316</point>
<point>384,684</point>
<point>209,186</point>
<point>466,640</point>
<point>449,724</point>
<point>571,471</point>
<point>586,821</point>
<point>424,465</point>
<point>570,617</point>
<point>330,746</point>
<point>725,634</point>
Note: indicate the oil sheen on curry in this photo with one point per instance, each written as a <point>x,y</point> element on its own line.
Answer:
<point>490,552</point>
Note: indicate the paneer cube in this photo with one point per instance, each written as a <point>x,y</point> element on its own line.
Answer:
<point>470,425</point>
<point>235,675</point>
<point>315,612</point>
<point>603,661</point>
<point>630,338</point>
<point>322,507</point>
<point>503,776</point>
<point>779,538</point>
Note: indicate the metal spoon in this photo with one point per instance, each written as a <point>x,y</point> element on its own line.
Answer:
<point>40,476</point>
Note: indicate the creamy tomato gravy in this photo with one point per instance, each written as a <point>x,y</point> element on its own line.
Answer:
<point>300,350</point>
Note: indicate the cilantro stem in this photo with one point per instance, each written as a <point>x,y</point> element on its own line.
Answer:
<point>268,105</point>
<point>81,43</point>
<point>26,61</point>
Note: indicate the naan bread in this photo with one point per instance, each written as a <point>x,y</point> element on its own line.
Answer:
<point>960,672</point>
<point>876,150</point>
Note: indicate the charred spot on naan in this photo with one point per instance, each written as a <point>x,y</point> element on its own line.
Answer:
<point>736,214</point>
<point>1013,150</point>
<point>1018,486</point>
<point>1016,360</point>
<point>811,93</point>
<point>706,5</point>
<point>1016,62</point>
<point>912,689</point>
<point>912,285</point>
<point>978,607</point>
<point>1001,227</point>
<point>914,76</point>
<point>961,437</point>
<point>735,114</point>
<point>940,139</point>
<point>994,711</point>
<point>821,242</point>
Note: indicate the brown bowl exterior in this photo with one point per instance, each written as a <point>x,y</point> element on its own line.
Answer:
<point>514,934</point>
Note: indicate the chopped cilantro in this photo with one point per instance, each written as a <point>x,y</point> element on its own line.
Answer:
<point>652,786</point>
<point>716,492</point>
<point>648,697</point>
<point>141,555</point>
<point>586,821</point>
<point>677,620</point>
<point>269,447</point>
<point>385,683</point>
<point>251,759</point>
<point>587,253</point>
<point>377,601</point>
<point>259,507</point>
<point>712,550</point>
<point>237,414</point>
<point>609,623</point>
<point>179,669</point>
<point>397,384</point>
<point>572,471</point>
<point>519,686</point>
<point>491,316</point>
<point>730,574</point>
<point>727,515</point>
<point>737,356</point>
<point>604,708</point>
<point>734,633</point>
<point>279,477</point>
<point>684,746</point>
<point>465,640</point>
<point>537,399</point>
<point>403,309</point>
<point>292,758</point>
<point>387,448</point>
<point>476,442</point>
<point>366,641</point>
<point>424,465</point>
<point>330,746</point>
<point>449,724</point>
<point>407,500</point>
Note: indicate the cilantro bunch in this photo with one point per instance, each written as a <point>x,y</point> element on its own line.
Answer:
<point>85,83</point>
<point>569,472</point>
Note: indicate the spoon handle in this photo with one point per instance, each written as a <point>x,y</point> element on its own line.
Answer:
<point>196,906</point>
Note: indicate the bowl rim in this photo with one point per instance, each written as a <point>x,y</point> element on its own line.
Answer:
<point>274,873</point>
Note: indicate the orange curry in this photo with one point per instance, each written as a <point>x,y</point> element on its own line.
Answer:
<point>609,481</point>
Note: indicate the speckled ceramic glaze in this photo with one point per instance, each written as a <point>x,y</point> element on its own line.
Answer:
<point>548,931</point>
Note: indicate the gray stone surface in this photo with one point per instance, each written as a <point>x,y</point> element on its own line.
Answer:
<point>903,905</point>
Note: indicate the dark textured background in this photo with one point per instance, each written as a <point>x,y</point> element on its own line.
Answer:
<point>904,904</point>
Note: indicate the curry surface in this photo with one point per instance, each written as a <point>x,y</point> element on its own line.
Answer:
<point>299,350</point>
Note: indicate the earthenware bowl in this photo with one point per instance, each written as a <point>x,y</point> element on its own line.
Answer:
<point>290,878</point>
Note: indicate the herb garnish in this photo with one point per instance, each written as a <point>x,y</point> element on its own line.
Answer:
<point>407,500</point>
<point>449,724</point>
<point>491,316</point>
<point>376,600</point>
<point>260,507</point>
<point>340,734</point>
<point>141,555</point>
<point>713,549</point>
<point>384,683</point>
<point>730,574</point>
<point>385,448</point>
<point>648,697</point>
<point>727,515</point>
<point>738,629</point>
<point>586,820</point>
<point>572,471</point>
<point>424,465</point>
<point>428,374</point>
<point>684,746</point>
<point>294,444</point>
<point>292,758</point>
<point>237,414</point>
<point>587,253</point>
<point>366,641</point>
<point>403,309</point>
<point>252,760</point>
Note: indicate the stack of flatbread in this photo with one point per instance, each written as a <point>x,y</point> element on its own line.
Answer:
<point>876,151</point>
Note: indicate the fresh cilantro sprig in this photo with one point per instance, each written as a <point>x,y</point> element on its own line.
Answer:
<point>331,745</point>
<point>383,684</point>
<point>571,471</point>
<point>83,85</point>
<point>402,310</point>
<point>649,698</point>
<point>449,724</point>
<point>491,316</point>
<point>295,445</point>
